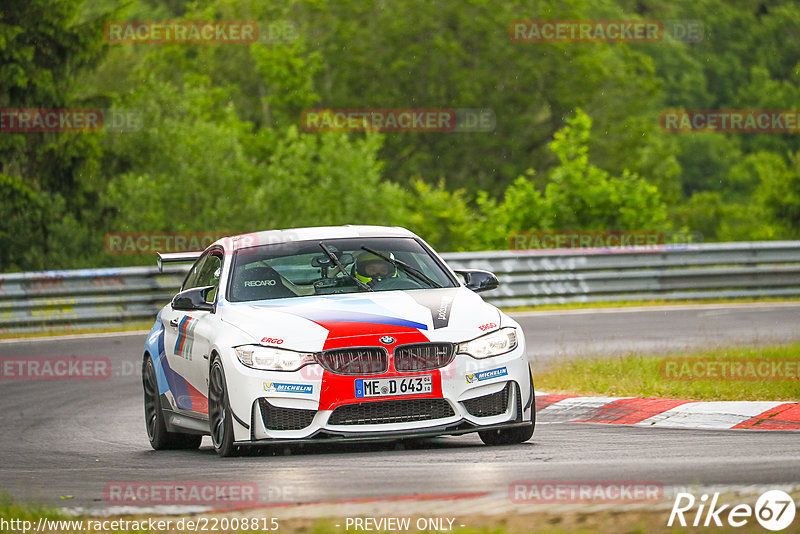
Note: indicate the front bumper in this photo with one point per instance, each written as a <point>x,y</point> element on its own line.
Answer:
<point>469,395</point>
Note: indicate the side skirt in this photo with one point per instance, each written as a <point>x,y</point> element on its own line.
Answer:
<point>185,424</point>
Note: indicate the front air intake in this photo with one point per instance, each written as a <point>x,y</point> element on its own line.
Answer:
<point>423,356</point>
<point>394,411</point>
<point>355,361</point>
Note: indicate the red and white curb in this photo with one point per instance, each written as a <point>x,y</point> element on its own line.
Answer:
<point>668,413</point>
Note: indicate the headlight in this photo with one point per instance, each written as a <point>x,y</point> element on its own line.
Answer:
<point>494,344</point>
<point>272,359</point>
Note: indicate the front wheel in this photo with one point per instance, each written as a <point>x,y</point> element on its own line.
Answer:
<point>219,412</point>
<point>511,436</point>
<point>157,433</point>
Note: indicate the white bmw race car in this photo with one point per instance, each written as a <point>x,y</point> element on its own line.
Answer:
<point>330,334</point>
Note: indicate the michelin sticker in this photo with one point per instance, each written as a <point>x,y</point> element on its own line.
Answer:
<point>281,387</point>
<point>486,375</point>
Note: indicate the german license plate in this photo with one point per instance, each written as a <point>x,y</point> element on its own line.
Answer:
<point>387,387</point>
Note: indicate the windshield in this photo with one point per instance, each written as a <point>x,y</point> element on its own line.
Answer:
<point>334,266</point>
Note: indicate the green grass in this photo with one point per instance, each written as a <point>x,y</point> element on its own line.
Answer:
<point>536,523</point>
<point>10,509</point>
<point>635,303</point>
<point>645,376</point>
<point>580,521</point>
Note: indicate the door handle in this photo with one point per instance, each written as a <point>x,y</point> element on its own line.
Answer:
<point>173,323</point>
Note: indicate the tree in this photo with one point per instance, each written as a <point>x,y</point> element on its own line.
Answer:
<point>577,196</point>
<point>44,47</point>
<point>445,54</point>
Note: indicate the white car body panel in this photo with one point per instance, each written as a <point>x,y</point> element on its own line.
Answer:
<point>314,324</point>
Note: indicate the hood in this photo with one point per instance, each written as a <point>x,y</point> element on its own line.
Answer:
<point>323,322</point>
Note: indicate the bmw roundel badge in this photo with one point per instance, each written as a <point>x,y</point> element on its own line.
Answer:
<point>387,340</point>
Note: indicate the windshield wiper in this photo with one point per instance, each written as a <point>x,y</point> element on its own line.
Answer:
<point>336,262</point>
<point>403,265</point>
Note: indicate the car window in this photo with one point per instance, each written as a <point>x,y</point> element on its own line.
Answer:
<point>205,272</point>
<point>303,268</point>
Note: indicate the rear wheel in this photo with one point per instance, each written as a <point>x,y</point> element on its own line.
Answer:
<point>157,433</point>
<point>511,436</point>
<point>219,412</point>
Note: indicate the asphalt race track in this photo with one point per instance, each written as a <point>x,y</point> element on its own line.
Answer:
<point>64,441</point>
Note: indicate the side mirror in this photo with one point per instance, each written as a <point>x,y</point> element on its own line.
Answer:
<point>193,299</point>
<point>478,280</point>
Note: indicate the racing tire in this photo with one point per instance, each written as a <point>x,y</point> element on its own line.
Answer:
<point>160,438</point>
<point>220,420</point>
<point>511,436</point>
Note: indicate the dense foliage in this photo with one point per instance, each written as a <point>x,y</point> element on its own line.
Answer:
<point>218,143</point>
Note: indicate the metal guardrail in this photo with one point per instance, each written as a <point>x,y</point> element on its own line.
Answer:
<point>101,297</point>
<point>694,271</point>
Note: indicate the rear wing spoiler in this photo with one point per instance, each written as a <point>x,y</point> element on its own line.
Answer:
<point>176,257</point>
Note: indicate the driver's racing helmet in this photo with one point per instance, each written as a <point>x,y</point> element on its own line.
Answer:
<point>370,268</point>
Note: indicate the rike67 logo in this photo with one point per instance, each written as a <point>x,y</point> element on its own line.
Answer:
<point>774,510</point>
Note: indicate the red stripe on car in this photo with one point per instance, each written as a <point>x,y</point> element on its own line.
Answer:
<point>340,389</point>
<point>199,401</point>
